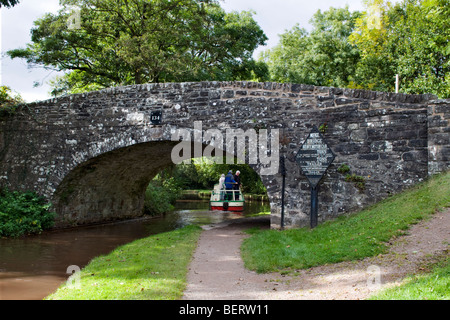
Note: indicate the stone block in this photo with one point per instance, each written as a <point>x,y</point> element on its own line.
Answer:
<point>369,156</point>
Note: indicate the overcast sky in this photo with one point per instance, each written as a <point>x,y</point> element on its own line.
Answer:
<point>274,17</point>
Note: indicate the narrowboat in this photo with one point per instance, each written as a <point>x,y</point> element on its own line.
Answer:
<point>226,200</point>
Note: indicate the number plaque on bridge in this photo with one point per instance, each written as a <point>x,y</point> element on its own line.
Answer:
<point>314,157</point>
<point>156,117</point>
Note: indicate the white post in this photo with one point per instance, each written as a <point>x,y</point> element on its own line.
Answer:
<point>396,83</point>
<point>1,48</point>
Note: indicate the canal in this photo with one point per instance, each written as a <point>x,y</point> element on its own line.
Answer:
<point>33,267</point>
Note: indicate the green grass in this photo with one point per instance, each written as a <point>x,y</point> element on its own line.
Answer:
<point>347,238</point>
<point>434,285</point>
<point>259,214</point>
<point>153,268</point>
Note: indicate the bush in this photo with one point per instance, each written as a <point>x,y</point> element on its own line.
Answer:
<point>8,101</point>
<point>160,196</point>
<point>23,213</point>
<point>204,174</point>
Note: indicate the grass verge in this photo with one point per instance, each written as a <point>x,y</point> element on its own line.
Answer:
<point>350,237</point>
<point>433,285</point>
<point>153,268</point>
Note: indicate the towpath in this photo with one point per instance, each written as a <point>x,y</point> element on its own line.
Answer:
<point>217,271</point>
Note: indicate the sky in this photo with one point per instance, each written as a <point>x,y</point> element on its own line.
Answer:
<point>273,16</point>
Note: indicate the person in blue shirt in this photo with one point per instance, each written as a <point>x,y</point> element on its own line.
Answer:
<point>229,183</point>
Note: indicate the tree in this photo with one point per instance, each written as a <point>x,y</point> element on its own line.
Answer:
<point>323,56</point>
<point>204,174</point>
<point>8,3</point>
<point>424,55</point>
<point>411,40</point>
<point>120,42</point>
<point>374,69</point>
<point>7,98</point>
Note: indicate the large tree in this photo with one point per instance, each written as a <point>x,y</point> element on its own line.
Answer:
<point>117,42</point>
<point>410,39</point>
<point>323,56</point>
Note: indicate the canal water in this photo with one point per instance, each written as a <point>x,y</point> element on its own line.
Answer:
<point>33,267</point>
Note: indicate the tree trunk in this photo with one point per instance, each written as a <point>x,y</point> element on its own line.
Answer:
<point>137,77</point>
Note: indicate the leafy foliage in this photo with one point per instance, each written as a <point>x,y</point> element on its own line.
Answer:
<point>8,100</point>
<point>323,56</point>
<point>366,50</point>
<point>411,40</point>
<point>343,169</point>
<point>130,42</point>
<point>165,188</point>
<point>161,195</point>
<point>23,213</point>
<point>202,174</point>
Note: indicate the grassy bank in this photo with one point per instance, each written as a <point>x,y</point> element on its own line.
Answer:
<point>153,268</point>
<point>431,285</point>
<point>349,237</point>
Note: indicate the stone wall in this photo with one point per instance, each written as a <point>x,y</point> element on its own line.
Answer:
<point>93,154</point>
<point>438,136</point>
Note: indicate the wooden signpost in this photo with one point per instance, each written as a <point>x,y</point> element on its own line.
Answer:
<point>314,157</point>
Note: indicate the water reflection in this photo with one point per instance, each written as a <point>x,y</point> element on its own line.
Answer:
<point>33,267</point>
<point>198,213</point>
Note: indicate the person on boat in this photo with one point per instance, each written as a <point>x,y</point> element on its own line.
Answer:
<point>237,186</point>
<point>229,182</point>
<point>222,186</point>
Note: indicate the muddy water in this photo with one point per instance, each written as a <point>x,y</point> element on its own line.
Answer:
<point>33,267</point>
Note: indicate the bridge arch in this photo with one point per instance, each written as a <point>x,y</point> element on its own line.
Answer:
<point>111,185</point>
<point>64,148</point>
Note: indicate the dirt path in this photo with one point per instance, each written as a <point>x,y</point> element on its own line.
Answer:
<point>217,271</point>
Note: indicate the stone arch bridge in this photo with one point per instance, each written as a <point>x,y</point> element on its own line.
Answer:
<point>93,154</point>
